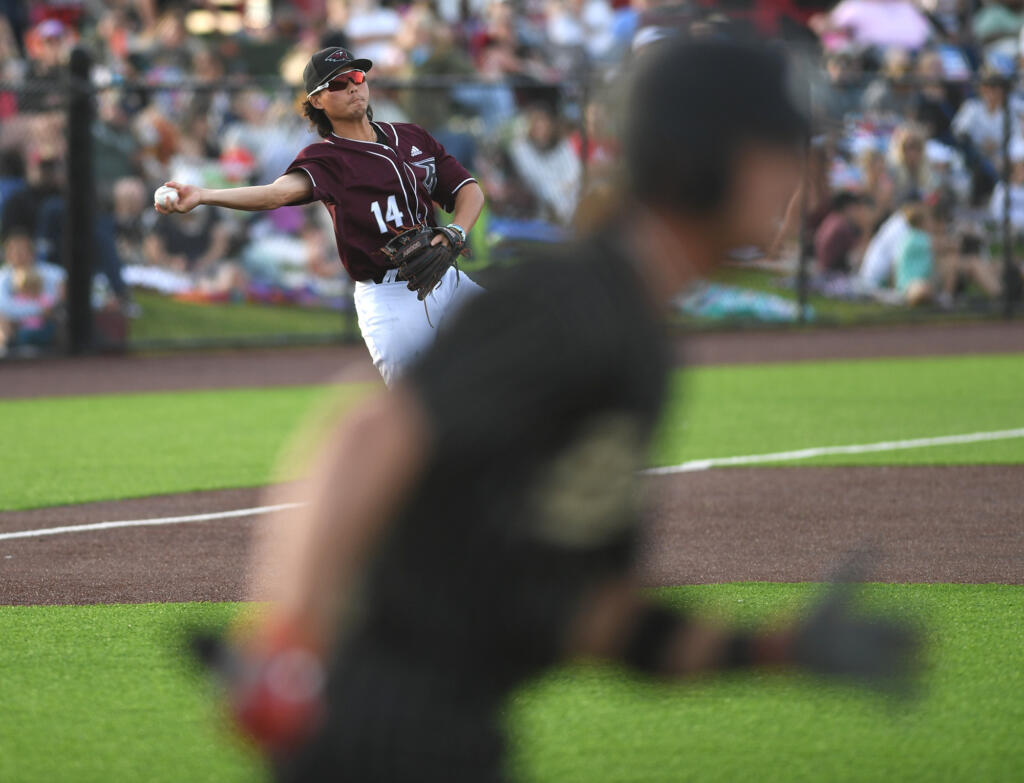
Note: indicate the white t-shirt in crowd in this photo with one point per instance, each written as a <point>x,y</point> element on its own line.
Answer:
<point>553,175</point>
<point>592,29</point>
<point>986,128</point>
<point>12,307</point>
<point>880,257</point>
<point>1016,205</point>
<point>372,30</point>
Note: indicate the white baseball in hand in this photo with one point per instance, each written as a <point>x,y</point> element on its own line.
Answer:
<point>165,197</point>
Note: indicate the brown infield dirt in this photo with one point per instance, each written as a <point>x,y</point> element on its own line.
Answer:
<point>931,524</point>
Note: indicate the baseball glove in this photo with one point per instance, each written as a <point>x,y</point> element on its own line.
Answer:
<point>419,263</point>
<point>834,641</point>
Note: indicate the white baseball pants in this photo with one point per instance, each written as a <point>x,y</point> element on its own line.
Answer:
<point>394,323</point>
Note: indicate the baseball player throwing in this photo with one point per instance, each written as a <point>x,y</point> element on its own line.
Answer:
<point>377,180</point>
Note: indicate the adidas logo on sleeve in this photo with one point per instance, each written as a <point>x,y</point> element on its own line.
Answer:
<point>415,150</point>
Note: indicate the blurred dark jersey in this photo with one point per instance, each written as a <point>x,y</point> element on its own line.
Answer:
<point>374,189</point>
<point>542,398</point>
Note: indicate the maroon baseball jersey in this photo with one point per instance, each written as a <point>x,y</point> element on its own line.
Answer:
<point>372,188</point>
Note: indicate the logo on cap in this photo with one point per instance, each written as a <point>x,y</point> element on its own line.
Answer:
<point>339,56</point>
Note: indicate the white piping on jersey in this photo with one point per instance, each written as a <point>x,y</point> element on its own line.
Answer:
<point>414,189</point>
<point>393,131</point>
<point>412,174</point>
<point>308,174</point>
<point>465,181</point>
<point>401,181</point>
<point>359,141</point>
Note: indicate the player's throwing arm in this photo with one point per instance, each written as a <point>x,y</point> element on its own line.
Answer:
<point>285,190</point>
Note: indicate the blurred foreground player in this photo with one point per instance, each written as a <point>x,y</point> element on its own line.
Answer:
<point>477,525</point>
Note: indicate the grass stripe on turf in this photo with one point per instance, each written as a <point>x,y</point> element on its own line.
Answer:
<point>94,694</point>
<point>71,450</point>
<point>728,411</point>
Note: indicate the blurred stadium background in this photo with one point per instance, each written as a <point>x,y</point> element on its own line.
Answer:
<point>102,102</point>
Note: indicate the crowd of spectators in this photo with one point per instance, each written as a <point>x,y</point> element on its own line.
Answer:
<point>919,108</point>
<point>909,98</point>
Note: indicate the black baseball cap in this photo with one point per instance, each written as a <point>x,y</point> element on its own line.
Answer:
<point>327,62</point>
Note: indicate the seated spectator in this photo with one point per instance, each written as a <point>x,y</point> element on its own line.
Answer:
<point>372,27</point>
<point>269,129</point>
<point>997,21</point>
<point>52,245</point>
<point>841,233</point>
<point>12,177</point>
<point>935,98</point>
<point>502,52</point>
<point>844,90</point>
<point>893,92</point>
<point>133,219</point>
<point>980,121</point>
<point>208,69</point>
<point>434,108</point>
<point>47,47</point>
<point>961,253</point>
<point>808,206</point>
<point>946,171</point>
<point>876,182</point>
<point>911,175</point>
<point>30,293</point>
<point>914,266</point>
<point>192,243</point>
<point>602,148</point>
<point>546,162</point>
<point>21,208</point>
<point>507,195</point>
<point>582,23</point>
<point>880,255</point>
<point>192,248</point>
<point>955,255</point>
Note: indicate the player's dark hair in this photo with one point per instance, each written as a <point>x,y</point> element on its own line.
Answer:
<point>693,107</point>
<point>318,118</point>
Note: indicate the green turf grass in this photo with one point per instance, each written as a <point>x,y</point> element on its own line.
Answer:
<point>739,410</point>
<point>93,448</point>
<point>78,449</point>
<point>164,319</point>
<point>97,694</point>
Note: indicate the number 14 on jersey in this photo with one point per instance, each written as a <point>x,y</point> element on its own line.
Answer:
<point>394,214</point>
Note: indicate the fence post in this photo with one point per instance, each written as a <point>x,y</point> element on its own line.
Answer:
<point>80,209</point>
<point>803,240</point>
<point>1011,280</point>
<point>584,93</point>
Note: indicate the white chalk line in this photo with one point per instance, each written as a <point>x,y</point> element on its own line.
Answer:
<point>825,451</point>
<point>241,512</point>
<point>685,467</point>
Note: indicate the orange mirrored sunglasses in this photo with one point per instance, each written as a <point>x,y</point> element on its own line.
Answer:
<point>340,82</point>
